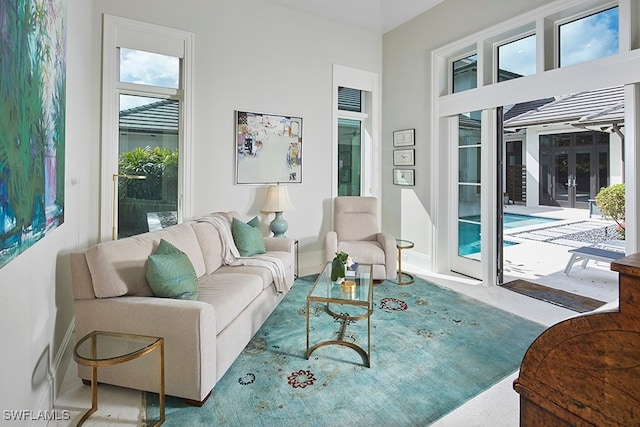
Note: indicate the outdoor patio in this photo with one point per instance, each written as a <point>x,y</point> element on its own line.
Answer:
<point>542,251</point>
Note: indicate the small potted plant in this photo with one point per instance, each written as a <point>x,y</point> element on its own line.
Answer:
<point>339,267</point>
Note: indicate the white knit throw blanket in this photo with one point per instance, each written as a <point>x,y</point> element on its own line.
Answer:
<point>231,255</point>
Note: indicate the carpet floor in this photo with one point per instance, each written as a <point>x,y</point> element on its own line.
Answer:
<point>574,302</point>
<point>432,350</point>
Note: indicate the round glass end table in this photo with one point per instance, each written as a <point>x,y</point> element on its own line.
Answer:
<point>100,348</point>
<point>404,278</point>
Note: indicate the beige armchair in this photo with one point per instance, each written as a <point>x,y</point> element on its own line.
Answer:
<point>356,232</point>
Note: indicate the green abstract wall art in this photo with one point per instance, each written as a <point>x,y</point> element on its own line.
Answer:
<point>32,122</point>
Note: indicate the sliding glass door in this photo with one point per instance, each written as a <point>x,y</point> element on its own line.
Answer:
<point>466,236</point>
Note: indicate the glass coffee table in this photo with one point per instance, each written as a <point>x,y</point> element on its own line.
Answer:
<point>359,301</point>
<point>100,348</point>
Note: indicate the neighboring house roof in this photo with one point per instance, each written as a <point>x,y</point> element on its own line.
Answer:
<point>603,107</point>
<point>158,117</point>
<point>525,107</point>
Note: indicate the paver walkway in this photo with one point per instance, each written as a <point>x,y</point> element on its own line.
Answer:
<point>575,234</point>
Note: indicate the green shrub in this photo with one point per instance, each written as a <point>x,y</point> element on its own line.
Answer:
<point>159,165</point>
<point>610,201</point>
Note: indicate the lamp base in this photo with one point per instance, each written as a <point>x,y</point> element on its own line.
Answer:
<point>279,225</point>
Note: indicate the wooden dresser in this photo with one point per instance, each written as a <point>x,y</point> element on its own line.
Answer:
<point>585,371</point>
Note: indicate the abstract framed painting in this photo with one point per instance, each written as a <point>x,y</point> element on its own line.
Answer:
<point>32,122</point>
<point>268,148</point>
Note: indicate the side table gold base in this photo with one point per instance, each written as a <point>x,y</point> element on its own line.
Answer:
<point>403,244</point>
<point>410,278</point>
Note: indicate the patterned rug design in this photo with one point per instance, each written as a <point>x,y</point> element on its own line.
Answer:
<point>554,296</point>
<point>432,350</point>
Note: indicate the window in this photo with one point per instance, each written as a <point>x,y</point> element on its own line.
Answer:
<point>465,73</point>
<point>469,184</point>
<point>350,142</point>
<point>356,123</point>
<point>592,37</point>
<point>517,58</point>
<point>145,121</point>
<point>147,68</point>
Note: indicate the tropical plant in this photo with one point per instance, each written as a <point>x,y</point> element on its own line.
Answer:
<point>611,202</point>
<point>159,165</point>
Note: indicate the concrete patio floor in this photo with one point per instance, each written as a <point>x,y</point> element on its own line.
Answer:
<point>544,262</point>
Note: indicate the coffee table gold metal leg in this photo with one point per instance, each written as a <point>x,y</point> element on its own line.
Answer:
<point>307,353</point>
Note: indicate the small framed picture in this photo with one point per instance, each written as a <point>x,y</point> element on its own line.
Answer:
<point>404,157</point>
<point>403,138</point>
<point>404,177</point>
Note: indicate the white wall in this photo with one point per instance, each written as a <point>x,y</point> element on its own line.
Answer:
<point>249,55</point>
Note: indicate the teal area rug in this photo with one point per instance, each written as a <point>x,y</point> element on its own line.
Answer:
<point>432,350</point>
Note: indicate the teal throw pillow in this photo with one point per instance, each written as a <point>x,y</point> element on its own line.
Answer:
<point>248,237</point>
<point>170,273</point>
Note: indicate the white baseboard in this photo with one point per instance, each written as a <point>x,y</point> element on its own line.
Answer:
<point>55,376</point>
<point>63,357</point>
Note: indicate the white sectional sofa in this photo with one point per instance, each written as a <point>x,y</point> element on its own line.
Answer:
<point>202,337</point>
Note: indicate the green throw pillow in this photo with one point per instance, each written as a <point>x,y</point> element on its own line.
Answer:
<point>170,273</point>
<point>248,237</point>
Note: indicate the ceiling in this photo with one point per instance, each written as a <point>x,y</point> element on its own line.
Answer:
<point>378,16</point>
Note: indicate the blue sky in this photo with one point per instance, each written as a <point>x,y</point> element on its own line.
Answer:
<point>147,68</point>
<point>583,40</point>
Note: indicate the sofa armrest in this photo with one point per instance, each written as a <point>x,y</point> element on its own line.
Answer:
<point>388,243</point>
<point>330,246</point>
<point>283,244</point>
<point>189,332</point>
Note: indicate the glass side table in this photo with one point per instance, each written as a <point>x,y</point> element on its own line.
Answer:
<point>100,348</point>
<point>410,278</point>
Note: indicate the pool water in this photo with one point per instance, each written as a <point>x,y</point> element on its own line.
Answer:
<point>518,220</point>
<point>469,233</point>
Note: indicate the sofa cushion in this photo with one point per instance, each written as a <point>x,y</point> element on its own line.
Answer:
<point>229,294</point>
<point>262,272</point>
<point>248,236</point>
<point>210,244</point>
<point>170,274</point>
<point>118,267</point>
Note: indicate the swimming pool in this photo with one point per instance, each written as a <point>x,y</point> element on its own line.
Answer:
<point>469,232</point>
<point>519,220</point>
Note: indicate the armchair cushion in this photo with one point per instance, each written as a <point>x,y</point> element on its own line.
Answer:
<point>355,218</point>
<point>363,252</point>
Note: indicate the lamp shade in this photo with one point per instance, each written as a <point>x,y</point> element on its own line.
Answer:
<point>277,199</point>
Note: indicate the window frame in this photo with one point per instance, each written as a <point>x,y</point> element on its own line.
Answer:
<point>368,83</point>
<point>122,32</point>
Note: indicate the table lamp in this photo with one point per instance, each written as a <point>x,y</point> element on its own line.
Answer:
<point>278,202</point>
